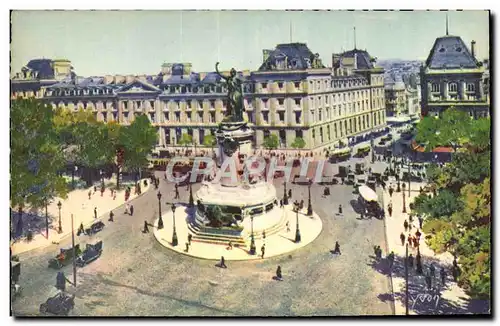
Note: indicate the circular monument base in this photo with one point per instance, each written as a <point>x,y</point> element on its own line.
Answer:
<point>277,243</point>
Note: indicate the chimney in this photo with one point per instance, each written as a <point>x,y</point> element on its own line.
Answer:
<point>473,48</point>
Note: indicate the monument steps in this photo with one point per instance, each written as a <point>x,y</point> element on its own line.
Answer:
<point>270,231</point>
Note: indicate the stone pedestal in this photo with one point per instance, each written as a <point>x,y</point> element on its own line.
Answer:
<point>233,139</point>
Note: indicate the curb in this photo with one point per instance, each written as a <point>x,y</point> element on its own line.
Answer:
<point>99,218</point>
<point>389,277</point>
<point>257,257</point>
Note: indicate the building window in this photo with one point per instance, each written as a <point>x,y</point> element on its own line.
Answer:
<point>453,87</point>
<point>321,134</point>
<point>298,134</point>
<point>328,132</point>
<point>251,117</point>
<point>297,101</point>
<point>335,130</point>
<point>212,104</point>
<point>313,134</point>
<point>320,115</point>
<point>297,84</point>
<point>435,87</point>
<point>200,116</point>
<point>265,116</point>
<point>280,85</point>
<point>281,101</point>
<point>177,116</point>
<point>281,116</point>
<point>298,117</point>
<point>264,85</point>
<point>471,87</point>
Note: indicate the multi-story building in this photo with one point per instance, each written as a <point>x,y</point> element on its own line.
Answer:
<point>451,76</point>
<point>291,95</point>
<point>401,99</point>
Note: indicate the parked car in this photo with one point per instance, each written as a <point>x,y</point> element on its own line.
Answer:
<point>91,253</point>
<point>65,257</point>
<point>94,228</point>
<point>60,304</point>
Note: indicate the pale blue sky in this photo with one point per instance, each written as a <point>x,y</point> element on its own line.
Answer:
<point>137,42</point>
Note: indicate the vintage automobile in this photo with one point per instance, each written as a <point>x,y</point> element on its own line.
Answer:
<point>371,182</point>
<point>343,171</point>
<point>340,155</point>
<point>351,178</point>
<point>15,272</point>
<point>65,257</point>
<point>91,253</point>
<point>60,304</point>
<point>94,228</point>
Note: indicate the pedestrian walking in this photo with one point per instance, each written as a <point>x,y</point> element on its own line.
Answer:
<point>111,215</point>
<point>95,212</point>
<point>432,270</point>
<point>410,261</point>
<point>405,224</point>
<point>190,237</point>
<point>264,235</point>
<point>287,226</point>
<point>131,210</point>
<point>428,280</point>
<point>187,247</point>
<point>389,209</point>
<point>342,180</point>
<point>102,191</point>
<point>279,276</point>
<point>176,193</point>
<point>402,237</point>
<point>418,234</point>
<point>80,230</point>
<point>230,245</point>
<point>281,203</point>
<point>420,221</point>
<point>289,193</point>
<point>95,189</point>
<point>443,276</point>
<point>340,209</point>
<point>262,251</point>
<point>379,252</point>
<point>90,193</point>
<point>111,192</point>
<point>391,190</point>
<point>390,258</point>
<point>222,263</point>
<point>114,195</point>
<point>146,228</point>
<point>301,205</point>
<point>126,208</point>
<point>337,248</point>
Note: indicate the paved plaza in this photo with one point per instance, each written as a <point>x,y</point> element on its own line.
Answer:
<point>81,206</point>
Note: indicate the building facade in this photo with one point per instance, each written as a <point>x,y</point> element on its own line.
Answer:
<point>452,77</point>
<point>291,95</point>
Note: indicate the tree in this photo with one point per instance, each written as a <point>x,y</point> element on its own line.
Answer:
<point>299,142</point>
<point>138,140</point>
<point>35,154</point>
<point>271,142</point>
<point>209,140</point>
<point>186,139</point>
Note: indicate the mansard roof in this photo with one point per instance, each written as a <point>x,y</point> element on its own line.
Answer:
<point>193,78</point>
<point>450,52</point>
<point>138,84</point>
<point>298,56</point>
<point>362,59</point>
<point>42,66</point>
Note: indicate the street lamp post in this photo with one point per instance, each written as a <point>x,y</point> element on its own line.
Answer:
<point>406,281</point>
<point>297,231</point>
<point>252,239</point>
<point>174,235</point>
<point>285,198</point>
<point>160,221</point>
<point>59,229</point>
<point>191,199</point>
<point>404,199</point>
<point>309,205</point>
<point>46,218</point>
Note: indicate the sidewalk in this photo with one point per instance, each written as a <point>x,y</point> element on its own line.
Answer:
<point>277,244</point>
<point>78,204</point>
<point>447,299</point>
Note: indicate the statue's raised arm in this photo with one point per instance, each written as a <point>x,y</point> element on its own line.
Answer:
<point>218,72</point>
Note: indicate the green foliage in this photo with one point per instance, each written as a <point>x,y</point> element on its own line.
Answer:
<point>271,142</point>
<point>36,154</point>
<point>209,140</point>
<point>299,142</point>
<point>138,140</point>
<point>186,139</point>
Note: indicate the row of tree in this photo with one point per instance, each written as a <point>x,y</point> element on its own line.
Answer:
<point>458,217</point>
<point>45,141</point>
<point>273,142</point>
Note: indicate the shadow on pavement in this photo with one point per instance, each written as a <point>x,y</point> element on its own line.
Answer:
<point>422,300</point>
